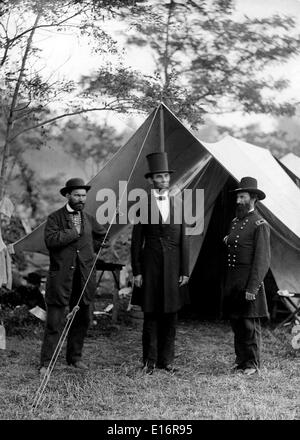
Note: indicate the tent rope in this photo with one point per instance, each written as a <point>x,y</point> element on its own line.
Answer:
<point>71,315</point>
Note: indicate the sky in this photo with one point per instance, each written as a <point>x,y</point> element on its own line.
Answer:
<point>70,56</point>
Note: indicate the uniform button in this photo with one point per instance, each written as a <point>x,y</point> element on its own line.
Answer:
<point>242,227</point>
<point>246,219</point>
<point>233,265</point>
<point>235,245</point>
<point>72,267</point>
<point>235,241</point>
<point>229,265</point>
<point>232,227</point>
<point>77,251</point>
<point>237,236</point>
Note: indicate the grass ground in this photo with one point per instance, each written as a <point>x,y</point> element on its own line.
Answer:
<point>115,387</point>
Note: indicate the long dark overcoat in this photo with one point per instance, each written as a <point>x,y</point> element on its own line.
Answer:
<point>159,252</point>
<point>248,260</point>
<point>66,249</point>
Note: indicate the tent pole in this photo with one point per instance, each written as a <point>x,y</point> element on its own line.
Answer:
<point>162,131</point>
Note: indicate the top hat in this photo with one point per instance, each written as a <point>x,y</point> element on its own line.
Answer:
<point>33,278</point>
<point>249,184</point>
<point>75,183</point>
<point>157,163</point>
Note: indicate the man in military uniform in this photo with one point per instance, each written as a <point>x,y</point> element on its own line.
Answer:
<point>159,255</point>
<point>248,260</point>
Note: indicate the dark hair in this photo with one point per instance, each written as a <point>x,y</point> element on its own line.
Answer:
<point>253,195</point>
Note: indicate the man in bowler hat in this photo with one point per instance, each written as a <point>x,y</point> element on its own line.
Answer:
<point>159,255</point>
<point>248,260</point>
<point>72,237</point>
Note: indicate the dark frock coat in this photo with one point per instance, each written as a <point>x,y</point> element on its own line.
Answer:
<point>248,260</point>
<point>67,248</point>
<point>159,252</point>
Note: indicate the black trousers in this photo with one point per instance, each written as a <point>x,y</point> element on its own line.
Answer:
<point>55,322</point>
<point>247,341</point>
<point>159,331</point>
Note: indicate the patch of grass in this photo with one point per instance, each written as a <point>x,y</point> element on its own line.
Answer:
<point>116,388</point>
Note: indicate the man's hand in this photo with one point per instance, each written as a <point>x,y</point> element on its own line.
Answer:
<point>138,280</point>
<point>183,280</point>
<point>250,296</point>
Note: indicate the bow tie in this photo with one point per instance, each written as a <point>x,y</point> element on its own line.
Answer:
<point>161,197</point>
<point>74,213</point>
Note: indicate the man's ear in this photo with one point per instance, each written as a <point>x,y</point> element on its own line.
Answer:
<point>150,180</point>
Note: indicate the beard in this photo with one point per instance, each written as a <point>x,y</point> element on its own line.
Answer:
<point>76,206</point>
<point>242,210</point>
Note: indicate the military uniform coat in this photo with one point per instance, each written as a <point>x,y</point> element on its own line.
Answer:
<point>248,260</point>
<point>159,252</point>
<point>67,248</point>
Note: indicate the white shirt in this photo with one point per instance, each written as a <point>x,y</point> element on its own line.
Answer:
<point>163,205</point>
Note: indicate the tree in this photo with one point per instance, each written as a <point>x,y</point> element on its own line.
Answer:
<point>28,98</point>
<point>207,61</point>
<point>90,144</point>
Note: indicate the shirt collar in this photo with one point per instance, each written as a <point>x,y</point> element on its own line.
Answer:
<point>157,194</point>
<point>69,209</point>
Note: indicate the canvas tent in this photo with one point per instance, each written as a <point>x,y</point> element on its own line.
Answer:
<point>216,168</point>
<point>291,162</point>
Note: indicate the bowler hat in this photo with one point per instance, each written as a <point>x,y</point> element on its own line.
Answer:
<point>74,183</point>
<point>249,184</point>
<point>157,163</point>
<point>33,278</point>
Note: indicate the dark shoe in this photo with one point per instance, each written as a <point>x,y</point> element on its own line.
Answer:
<point>80,365</point>
<point>168,368</point>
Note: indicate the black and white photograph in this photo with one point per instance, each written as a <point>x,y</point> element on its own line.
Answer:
<point>150,213</point>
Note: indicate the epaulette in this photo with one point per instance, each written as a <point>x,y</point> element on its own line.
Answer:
<point>235,219</point>
<point>260,222</point>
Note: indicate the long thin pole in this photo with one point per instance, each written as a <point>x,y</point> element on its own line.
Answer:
<point>162,129</point>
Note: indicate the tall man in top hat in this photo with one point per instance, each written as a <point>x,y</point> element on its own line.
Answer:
<point>159,255</point>
<point>72,237</point>
<point>248,260</point>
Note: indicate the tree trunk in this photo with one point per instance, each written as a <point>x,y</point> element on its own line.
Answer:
<point>167,56</point>
<point>10,119</point>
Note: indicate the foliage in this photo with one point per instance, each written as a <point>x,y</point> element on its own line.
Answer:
<point>207,60</point>
<point>28,96</point>
<point>90,144</point>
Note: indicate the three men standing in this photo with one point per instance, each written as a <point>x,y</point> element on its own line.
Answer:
<point>72,237</point>
<point>248,246</point>
<point>159,256</point>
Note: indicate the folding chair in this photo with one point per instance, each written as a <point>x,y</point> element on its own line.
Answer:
<point>287,298</point>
